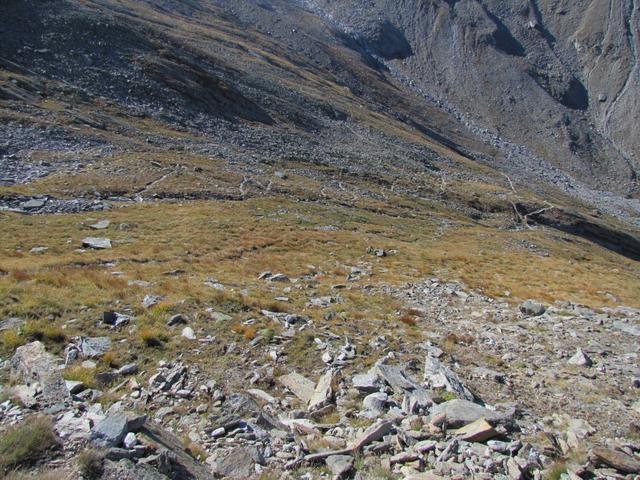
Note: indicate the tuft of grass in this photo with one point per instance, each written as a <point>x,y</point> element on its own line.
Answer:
<point>10,340</point>
<point>25,443</point>
<point>91,462</point>
<point>196,451</point>
<point>153,336</point>
<point>555,471</point>
<point>44,331</point>
<point>111,359</point>
<point>408,319</point>
<point>81,374</point>
<point>248,331</point>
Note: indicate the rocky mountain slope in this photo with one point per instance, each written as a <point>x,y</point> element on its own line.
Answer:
<point>559,78</point>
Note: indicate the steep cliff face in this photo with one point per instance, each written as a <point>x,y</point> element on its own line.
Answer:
<point>558,77</point>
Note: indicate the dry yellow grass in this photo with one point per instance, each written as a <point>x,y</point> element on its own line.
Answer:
<point>231,243</point>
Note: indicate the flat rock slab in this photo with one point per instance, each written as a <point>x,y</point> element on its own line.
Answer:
<point>239,463</point>
<point>92,347</point>
<point>478,431</point>
<point>33,364</point>
<point>618,460</point>
<point>97,243</point>
<point>101,225</point>
<point>459,413</point>
<point>324,390</point>
<point>301,386</point>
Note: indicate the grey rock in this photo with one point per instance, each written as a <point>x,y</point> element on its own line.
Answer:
<point>580,359</point>
<point>239,463</point>
<point>626,327</point>
<point>532,308</point>
<point>32,363</point>
<point>302,387</point>
<point>96,243</point>
<point>219,316</point>
<point>438,376</point>
<point>115,319</point>
<point>150,300</point>
<point>106,377</point>
<point>11,323</point>
<point>340,465</point>
<point>376,402</point>
<point>176,320</point>
<point>279,277</point>
<point>128,369</point>
<point>26,394</point>
<point>33,204</point>
<point>74,386</point>
<point>101,225</point>
<point>92,347</point>
<point>324,390</point>
<point>459,413</point>
<point>110,432</point>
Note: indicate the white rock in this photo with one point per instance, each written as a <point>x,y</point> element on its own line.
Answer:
<point>188,333</point>
<point>97,243</point>
<point>130,440</point>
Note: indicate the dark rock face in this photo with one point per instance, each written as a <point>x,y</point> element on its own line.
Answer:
<point>556,78</point>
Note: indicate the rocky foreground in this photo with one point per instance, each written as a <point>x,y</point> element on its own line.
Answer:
<point>507,393</point>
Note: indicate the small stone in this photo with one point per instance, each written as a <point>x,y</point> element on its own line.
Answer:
<point>130,440</point>
<point>128,369</point>
<point>176,320</point>
<point>101,225</point>
<point>97,243</point>
<point>279,277</point>
<point>532,308</point>
<point>188,333</point>
<point>580,359</point>
<point>150,300</point>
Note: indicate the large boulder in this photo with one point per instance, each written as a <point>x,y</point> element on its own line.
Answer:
<point>110,432</point>
<point>32,364</point>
